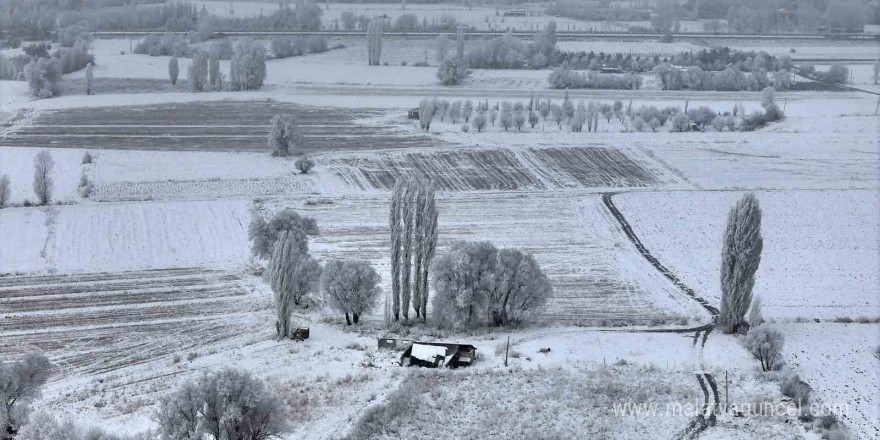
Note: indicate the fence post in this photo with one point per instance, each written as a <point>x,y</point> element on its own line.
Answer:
<point>726,402</point>
<point>506,350</point>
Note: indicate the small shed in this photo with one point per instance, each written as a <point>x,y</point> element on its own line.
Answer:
<point>412,113</point>
<point>436,355</point>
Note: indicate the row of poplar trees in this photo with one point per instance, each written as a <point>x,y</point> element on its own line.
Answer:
<point>413,222</point>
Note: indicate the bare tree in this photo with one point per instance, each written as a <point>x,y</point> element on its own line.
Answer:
<point>20,384</point>
<point>4,190</point>
<point>408,220</point>
<point>43,182</point>
<point>459,43</point>
<point>442,47</point>
<point>351,287</point>
<point>520,287</point>
<point>198,72</point>
<point>429,233</point>
<point>876,71</point>
<point>740,258</point>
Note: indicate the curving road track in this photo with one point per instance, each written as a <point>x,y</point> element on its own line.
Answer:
<point>707,383</point>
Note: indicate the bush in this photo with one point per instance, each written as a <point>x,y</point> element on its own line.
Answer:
<point>43,76</point>
<point>773,113</point>
<point>164,45</point>
<point>765,344</point>
<point>565,78</point>
<point>797,390</point>
<point>281,47</point>
<point>452,72</point>
<point>465,128</point>
<point>223,405</point>
<point>317,44</point>
<point>304,165</point>
<point>837,74</point>
<point>754,121</point>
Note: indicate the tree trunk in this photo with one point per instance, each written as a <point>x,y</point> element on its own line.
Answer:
<point>356,317</point>
<point>347,319</point>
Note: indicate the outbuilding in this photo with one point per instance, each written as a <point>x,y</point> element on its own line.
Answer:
<point>437,355</point>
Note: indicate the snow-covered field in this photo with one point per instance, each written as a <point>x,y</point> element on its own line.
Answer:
<point>816,263</point>
<point>150,276</point>
<point>840,362</point>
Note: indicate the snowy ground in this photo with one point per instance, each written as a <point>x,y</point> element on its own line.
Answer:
<point>815,173</point>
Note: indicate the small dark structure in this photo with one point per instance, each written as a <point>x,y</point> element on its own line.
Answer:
<point>412,114</point>
<point>436,355</point>
<point>300,334</point>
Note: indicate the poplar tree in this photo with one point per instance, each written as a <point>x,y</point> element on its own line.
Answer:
<point>740,258</point>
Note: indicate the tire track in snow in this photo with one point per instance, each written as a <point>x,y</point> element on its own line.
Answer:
<point>707,383</point>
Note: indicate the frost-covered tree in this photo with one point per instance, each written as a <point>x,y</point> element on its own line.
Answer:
<point>462,279</point>
<point>224,405</point>
<point>90,78</point>
<point>567,105</point>
<point>455,111</point>
<point>479,122</point>
<point>395,223</point>
<point>285,137</point>
<point>407,207</point>
<point>519,119</point>
<point>351,287</point>
<point>43,76</point>
<point>756,317</point>
<point>173,70</point>
<point>467,110</point>
<point>768,96</point>
<point>665,20</point>
<point>459,44</point>
<point>506,119</point>
<point>579,118</point>
<point>452,72</point>
<point>214,70</point>
<point>520,288</point>
<point>374,42</point>
<point>43,181</point>
<point>293,275</point>
<point>740,258</point>
<point>426,114</point>
<point>475,283</point>
<point>197,75</point>
<point>441,45</point>
<point>20,384</point>
<point>247,70</point>
<point>533,119</point>
<point>428,233</point>
<point>264,234</point>
<point>876,71</point>
<point>765,344</point>
<point>4,190</point>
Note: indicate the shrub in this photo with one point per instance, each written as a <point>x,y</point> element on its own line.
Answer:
<point>765,344</point>
<point>198,72</point>
<point>304,165</point>
<point>797,390</point>
<point>773,113</point>
<point>836,74</point>
<point>754,121</point>
<point>465,128</point>
<point>479,122</point>
<point>281,47</point>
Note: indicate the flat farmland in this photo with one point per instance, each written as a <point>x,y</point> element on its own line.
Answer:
<point>206,126</point>
<point>93,323</point>
<point>501,169</point>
